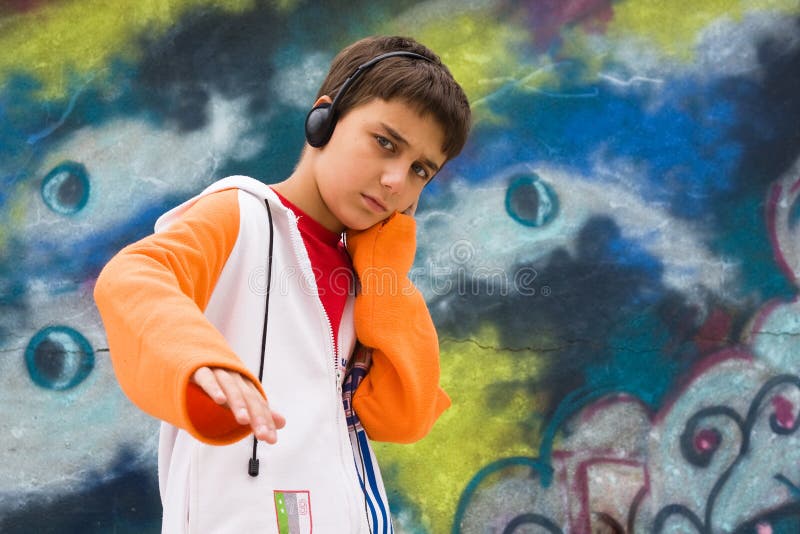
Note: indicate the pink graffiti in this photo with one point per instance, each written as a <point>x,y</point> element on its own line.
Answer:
<point>706,440</point>
<point>548,17</point>
<point>783,411</point>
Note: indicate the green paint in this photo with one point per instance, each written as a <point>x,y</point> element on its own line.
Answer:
<point>280,509</point>
<point>472,433</point>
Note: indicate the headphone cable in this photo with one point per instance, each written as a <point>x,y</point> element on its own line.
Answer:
<point>252,468</point>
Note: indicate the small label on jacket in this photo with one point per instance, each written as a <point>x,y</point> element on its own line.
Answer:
<point>293,511</point>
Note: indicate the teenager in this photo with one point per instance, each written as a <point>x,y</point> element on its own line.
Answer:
<point>237,316</point>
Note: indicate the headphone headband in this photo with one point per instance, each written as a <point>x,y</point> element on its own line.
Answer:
<point>321,120</point>
<point>366,66</point>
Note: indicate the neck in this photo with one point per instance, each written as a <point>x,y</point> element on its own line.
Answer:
<point>300,188</point>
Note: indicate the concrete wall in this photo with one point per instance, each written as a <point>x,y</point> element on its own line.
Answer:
<point>612,263</point>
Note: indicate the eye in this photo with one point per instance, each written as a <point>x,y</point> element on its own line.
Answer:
<point>65,189</point>
<point>530,201</point>
<point>385,143</point>
<point>59,357</point>
<point>419,170</point>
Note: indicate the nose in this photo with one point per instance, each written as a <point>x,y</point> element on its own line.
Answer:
<point>393,178</point>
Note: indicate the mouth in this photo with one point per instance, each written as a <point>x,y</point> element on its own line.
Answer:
<point>374,204</point>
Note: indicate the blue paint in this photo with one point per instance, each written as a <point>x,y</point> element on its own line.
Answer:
<point>284,140</point>
<point>59,358</point>
<point>634,360</point>
<point>35,138</point>
<point>601,246</point>
<point>742,237</point>
<point>18,112</point>
<point>65,189</point>
<point>13,285</point>
<point>793,489</point>
<point>122,498</point>
<point>794,213</point>
<point>677,134</point>
<point>75,261</point>
<point>537,467</point>
<point>630,356</point>
<point>641,362</point>
<point>572,403</point>
<point>530,201</point>
<point>28,129</point>
<point>684,146</point>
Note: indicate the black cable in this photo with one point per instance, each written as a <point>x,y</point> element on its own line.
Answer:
<point>252,468</point>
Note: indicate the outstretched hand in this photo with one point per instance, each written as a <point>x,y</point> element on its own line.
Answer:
<point>237,393</point>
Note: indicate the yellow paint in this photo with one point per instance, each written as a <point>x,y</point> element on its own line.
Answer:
<point>12,214</point>
<point>4,235</point>
<point>475,431</point>
<point>674,25</point>
<point>480,51</point>
<point>577,46</point>
<point>78,37</point>
<point>285,6</point>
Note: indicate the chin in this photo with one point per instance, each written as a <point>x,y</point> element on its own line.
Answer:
<point>362,223</point>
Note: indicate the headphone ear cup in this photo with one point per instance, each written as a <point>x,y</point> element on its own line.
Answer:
<point>319,125</point>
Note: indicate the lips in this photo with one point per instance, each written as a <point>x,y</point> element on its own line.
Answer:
<point>374,204</point>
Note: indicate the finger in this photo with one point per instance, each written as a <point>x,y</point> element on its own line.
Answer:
<point>280,420</point>
<point>205,378</point>
<point>261,419</point>
<point>233,391</point>
<point>267,425</point>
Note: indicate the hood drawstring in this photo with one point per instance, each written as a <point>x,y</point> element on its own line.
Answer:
<point>252,468</point>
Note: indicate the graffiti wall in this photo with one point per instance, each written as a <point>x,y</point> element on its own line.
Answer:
<point>612,263</point>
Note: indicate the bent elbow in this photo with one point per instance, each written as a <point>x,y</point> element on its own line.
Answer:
<point>398,432</point>
<point>398,426</point>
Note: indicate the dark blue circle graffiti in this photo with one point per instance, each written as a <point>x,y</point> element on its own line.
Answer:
<point>530,201</point>
<point>58,357</point>
<point>65,189</point>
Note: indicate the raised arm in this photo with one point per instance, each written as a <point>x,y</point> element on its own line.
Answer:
<point>400,398</point>
<point>169,359</point>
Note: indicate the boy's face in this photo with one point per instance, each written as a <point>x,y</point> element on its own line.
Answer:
<point>381,155</point>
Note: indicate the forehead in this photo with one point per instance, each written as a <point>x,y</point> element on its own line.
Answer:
<point>422,131</point>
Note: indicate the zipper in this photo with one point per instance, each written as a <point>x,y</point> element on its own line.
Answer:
<point>337,370</point>
<point>346,454</point>
<point>300,251</point>
<point>346,457</point>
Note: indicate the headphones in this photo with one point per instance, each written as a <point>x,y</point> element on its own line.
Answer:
<point>321,120</point>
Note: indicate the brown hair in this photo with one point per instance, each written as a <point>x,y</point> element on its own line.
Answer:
<point>427,86</point>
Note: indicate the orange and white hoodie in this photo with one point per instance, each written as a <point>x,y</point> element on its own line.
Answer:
<point>193,294</point>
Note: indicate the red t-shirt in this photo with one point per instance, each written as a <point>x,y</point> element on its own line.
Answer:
<point>333,269</point>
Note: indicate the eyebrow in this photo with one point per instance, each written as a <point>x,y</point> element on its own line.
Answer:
<point>402,140</point>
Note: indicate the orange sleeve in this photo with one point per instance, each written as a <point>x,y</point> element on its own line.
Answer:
<point>151,297</point>
<point>400,398</point>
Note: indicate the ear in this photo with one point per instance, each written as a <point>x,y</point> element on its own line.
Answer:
<point>324,99</point>
<point>320,122</point>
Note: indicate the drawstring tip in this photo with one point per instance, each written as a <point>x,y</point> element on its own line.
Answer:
<point>252,469</point>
